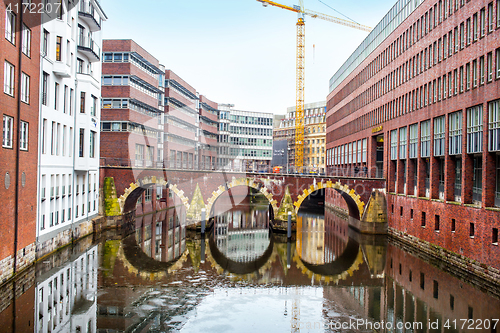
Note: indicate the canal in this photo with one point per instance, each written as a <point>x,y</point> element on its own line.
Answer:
<point>159,276</point>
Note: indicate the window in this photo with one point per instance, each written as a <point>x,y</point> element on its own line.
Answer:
<point>56,96</point>
<point>402,143</point>
<point>79,65</point>
<point>82,102</point>
<point>10,26</point>
<point>413,141</point>
<point>494,125</point>
<point>45,42</point>
<point>477,180</point>
<point>489,66</point>
<point>92,144</point>
<point>58,48</point>
<point>139,154</point>
<point>497,60</point>
<point>45,88</point>
<point>8,126</point>
<point>8,79</point>
<point>425,135</point>
<point>439,133</point>
<point>481,69</point>
<point>81,142</point>
<point>455,123</point>
<point>23,143</point>
<point>26,40</point>
<point>394,145</point>
<point>93,109</point>
<point>475,129</point>
<point>148,194</point>
<point>25,88</point>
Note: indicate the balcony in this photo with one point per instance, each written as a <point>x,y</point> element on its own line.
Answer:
<point>90,48</point>
<point>89,15</point>
<point>61,69</point>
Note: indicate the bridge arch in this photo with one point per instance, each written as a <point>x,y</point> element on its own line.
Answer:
<point>353,200</point>
<point>248,182</point>
<point>128,199</point>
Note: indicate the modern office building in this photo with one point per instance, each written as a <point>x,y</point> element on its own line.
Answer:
<point>418,102</point>
<point>70,90</point>
<point>314,136</point>
<point>20,71</point>
<point>245,139</point>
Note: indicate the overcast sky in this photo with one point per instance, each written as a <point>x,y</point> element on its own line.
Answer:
<point>239,52</point>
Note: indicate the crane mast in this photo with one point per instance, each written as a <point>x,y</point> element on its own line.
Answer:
<point>299,99</point>
<point>300,70</point>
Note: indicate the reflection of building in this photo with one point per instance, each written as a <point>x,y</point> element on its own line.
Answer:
<point>418,102</point>
<point>314,136</point>
<point>66,297</point>
<point>311,238</point>
<point>162,235</point>
<point>242,236</point>
<point>246,139</point>
<point>69,124</point>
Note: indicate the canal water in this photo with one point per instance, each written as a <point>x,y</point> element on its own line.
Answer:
<point>161,277</point>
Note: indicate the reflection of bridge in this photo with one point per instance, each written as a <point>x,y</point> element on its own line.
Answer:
<point>179,187</point>
<point>280,263</point>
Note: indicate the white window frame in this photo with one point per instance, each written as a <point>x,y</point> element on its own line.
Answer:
<point>439,136</point>
<point>8,78</point>
<point>25,88</point>
<point>26,40</point>
<point>425,138</point>
<point>8,129</point>
<point>494,125</point>
<point>23,137</point>
<point>10,26</point>
<point>455,133</point>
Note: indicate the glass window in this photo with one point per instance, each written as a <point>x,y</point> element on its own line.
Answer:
<point>25,88</point>
<point>23,143</point>
<point>439,134</point>
<point>8,79</point>
<point>475,129</point>
<point>402,143</point>
<point>425,138</point>
<point>455,123</point>
<point>494,125</point>
<point>413,141</point>
<point>10,26</point>
<point>8,126</point>
<point>26,42</point>
<point>394,145</point>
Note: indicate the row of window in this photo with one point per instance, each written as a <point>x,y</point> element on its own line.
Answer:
<point>127,103</point>
<point>250,131</point>
<point>474,134</point>
<point>134,59</point>
<point>10,82</point>
<point>251,120</point>
<point>457,81</point>
<point>127,80</point>
<point>8,132</point>
<point>352,152</point>
<point>57,210</point>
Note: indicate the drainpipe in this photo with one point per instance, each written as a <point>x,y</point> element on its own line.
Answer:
<point>17,144</point>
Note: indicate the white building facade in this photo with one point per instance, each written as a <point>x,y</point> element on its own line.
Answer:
<point>70,93</point>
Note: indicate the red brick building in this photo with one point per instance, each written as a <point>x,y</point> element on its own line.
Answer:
<point>132,109</point>
<point>20,71</point>
<point>209,130</point>
<point>181,123</point>
<point>418,103</point>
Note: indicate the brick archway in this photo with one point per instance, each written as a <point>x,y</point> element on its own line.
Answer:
<point>129,198</point>
<point>353,200</point>
<point>248,182</point>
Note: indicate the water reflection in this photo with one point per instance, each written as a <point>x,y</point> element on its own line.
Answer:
<point>157,276</point>
<point>242,233</point>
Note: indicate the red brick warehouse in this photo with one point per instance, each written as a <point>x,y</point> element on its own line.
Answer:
<point>418,103</point>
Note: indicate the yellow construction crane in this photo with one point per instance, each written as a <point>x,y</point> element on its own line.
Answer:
<point>300,75</point>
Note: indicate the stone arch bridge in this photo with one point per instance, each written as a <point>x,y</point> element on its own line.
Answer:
<point>193,190</point>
